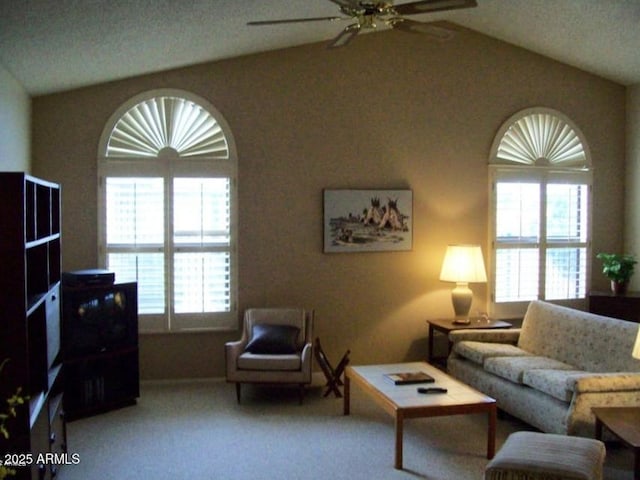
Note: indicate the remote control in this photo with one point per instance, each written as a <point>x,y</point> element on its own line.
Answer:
<point>432,390</point>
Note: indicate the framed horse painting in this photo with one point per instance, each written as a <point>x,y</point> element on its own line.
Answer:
<point>367,220</point>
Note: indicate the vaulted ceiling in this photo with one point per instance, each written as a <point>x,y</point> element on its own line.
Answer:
<point>52,46</point>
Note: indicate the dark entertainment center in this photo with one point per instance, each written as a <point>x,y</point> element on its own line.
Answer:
<point>99,345</point>
<point>68,342</point>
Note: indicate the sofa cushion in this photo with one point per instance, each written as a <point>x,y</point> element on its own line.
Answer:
<point>559,384</point>
<point>513,368</point>
<point>296,317</point>
<point>257,361</point>
<point>273,339</point>
<point>478,352</point>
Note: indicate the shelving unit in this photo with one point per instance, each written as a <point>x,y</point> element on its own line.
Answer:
<point>30,320</point>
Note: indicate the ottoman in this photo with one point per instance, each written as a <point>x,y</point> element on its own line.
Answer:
<point>547,456</point>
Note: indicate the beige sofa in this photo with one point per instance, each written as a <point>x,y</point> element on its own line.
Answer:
<point>552,370</point>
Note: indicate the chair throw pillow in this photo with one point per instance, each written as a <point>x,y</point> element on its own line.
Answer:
<point>273,339</point>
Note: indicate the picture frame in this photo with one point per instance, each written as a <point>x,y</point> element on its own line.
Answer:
<point>367,220</point>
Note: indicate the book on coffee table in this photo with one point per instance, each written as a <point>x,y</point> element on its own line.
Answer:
<point>407,378</point>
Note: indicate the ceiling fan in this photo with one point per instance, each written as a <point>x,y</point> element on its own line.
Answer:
<point>366,13</point>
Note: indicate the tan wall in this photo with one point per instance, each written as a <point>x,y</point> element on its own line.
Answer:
<point>390,111</point>
<point>15,125</point>
<point>632,182</point>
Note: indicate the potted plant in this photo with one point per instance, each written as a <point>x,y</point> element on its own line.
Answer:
<point>619,269</point>
<point>7,411</point>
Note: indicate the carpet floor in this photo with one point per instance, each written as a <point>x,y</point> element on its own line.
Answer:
<point>196,430</point>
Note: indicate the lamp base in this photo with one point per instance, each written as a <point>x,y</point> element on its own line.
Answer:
<point>461,297</point>
<point>461,321</point>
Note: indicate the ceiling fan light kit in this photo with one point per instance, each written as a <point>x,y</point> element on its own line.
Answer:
<point>366,13</point>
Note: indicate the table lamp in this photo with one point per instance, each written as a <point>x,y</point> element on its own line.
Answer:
<point>636,347</point>
<point>463,264</point>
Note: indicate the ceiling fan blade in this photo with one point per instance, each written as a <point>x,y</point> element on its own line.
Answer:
<point>427,6</point>
<point>293,20</point>
<point>345,36</point>
<point>428,28</point>
<point>345,3</point>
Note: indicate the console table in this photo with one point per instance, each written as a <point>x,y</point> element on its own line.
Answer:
<point>624,306</point>
<point>446,325</point>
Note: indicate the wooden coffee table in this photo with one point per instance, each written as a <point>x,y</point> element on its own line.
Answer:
<point>624,423</point>
<point>403,401</point>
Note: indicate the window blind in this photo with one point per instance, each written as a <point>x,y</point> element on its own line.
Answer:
<point>540,252</point>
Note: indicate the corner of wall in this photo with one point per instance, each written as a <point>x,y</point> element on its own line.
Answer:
<point>15,124</point>
<point>632,177</point>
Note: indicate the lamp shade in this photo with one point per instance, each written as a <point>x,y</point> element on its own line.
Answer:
<point>463,263</point>
<point>636,347</point>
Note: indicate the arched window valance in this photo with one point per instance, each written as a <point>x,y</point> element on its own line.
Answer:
<point>167,122</point>
<point>540,137</point>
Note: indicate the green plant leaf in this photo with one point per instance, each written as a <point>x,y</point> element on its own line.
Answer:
<point>617,267</point>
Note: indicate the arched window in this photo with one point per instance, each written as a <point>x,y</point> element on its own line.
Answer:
<point>540,212</point>
<point>167,183</point>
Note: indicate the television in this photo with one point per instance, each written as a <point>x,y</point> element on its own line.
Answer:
<point>99,319</point>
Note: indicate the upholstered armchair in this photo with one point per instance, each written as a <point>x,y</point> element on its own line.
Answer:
<point>275,347</point>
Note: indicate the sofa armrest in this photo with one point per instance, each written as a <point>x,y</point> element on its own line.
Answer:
<point>232,351</point>
<point>235,348</point>
<point>509,335</point>
<point>608,382</point>
<point>307,357</point>
<point>600,390</point>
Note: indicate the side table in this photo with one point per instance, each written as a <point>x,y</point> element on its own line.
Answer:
<point>446,325</point>
<point>624,423</point>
